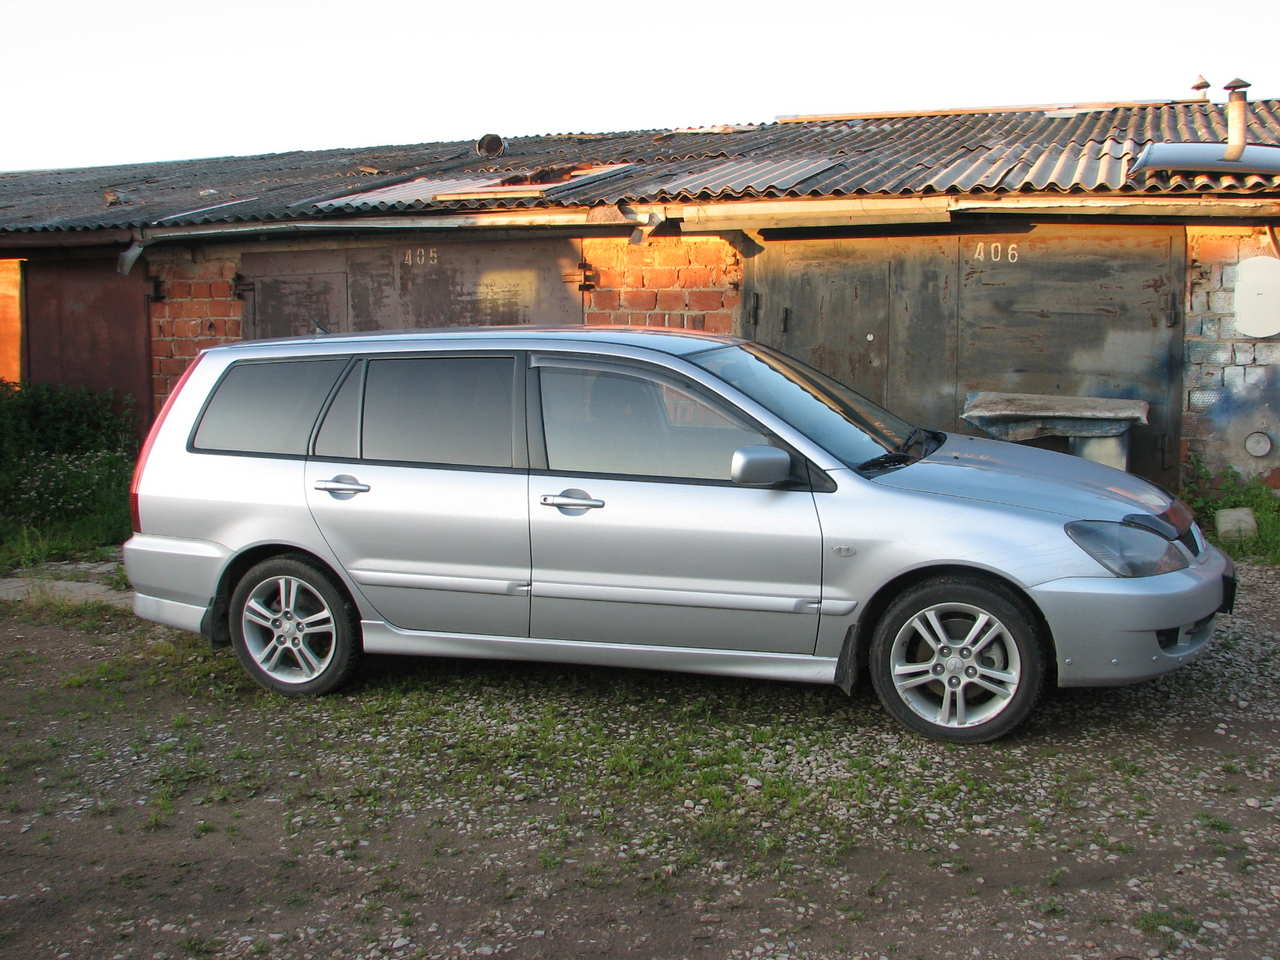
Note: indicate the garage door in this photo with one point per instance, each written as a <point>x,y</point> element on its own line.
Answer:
<point>413,284</point>
<point>918,323</point>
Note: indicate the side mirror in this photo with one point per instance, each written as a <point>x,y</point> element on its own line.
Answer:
<point>759,466</point>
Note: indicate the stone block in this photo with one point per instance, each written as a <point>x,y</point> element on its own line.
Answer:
<point>1236,523</point>
<point>1210,327</point>
<point>1222,301</point>
<point>1254,375</point>
<point>1199,301</point>
<point>1229,271</point>
<point>1266,352</point>
<point>1233,379</point>
<point>1243,352</point>
<point>1208,351</point>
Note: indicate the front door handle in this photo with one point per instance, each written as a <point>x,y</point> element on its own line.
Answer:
<point>342,487</point>
<point>573,502</point>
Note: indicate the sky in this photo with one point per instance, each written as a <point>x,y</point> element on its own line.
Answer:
<point>93,83</point>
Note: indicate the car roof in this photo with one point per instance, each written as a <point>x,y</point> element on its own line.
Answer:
<point>674,341</point>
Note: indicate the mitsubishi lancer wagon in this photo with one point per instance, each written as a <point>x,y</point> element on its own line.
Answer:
<point>654,499</point>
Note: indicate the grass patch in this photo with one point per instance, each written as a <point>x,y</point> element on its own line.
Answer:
<point>1206,492</point>
<point>1155,922</point>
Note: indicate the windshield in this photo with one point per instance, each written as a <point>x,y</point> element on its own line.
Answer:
<point>844,423</point>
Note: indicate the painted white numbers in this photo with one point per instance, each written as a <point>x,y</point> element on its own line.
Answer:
<point>419,256</point>
<point>996,252</point>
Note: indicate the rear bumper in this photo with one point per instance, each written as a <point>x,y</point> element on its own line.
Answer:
<point>184,616</point>
<point>1112,631</point>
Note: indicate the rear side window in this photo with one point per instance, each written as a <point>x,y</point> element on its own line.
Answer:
<point>454,410</point>
<point>268,407</point>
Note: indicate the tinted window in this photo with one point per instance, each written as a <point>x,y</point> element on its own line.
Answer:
<point>338,436</point>
<point>439,410</point>
<point>267,407</point>
<point>620,423</point>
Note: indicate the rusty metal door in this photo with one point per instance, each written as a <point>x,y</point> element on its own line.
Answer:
<point>918,323</point>
<point>1080,310</point>
<point>878,313</point>
<point>85,325</point>
<point>413,284</point>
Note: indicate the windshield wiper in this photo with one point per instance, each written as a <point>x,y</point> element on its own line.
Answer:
<point>895,458</point>
<point>917,434</point>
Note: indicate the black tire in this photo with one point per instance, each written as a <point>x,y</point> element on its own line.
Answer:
<point>296,661</point>
<point>947,691</point>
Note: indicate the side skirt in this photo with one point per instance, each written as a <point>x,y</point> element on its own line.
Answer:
<point>380,637</point>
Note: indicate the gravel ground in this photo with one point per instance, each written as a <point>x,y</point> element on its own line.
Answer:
<point>153,804</point>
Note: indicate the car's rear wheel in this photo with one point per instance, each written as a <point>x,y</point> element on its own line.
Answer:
<point>958,659</point>
<point>292,628</point>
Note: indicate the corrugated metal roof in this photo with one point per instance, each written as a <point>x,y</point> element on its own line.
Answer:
<point>1054,149</point>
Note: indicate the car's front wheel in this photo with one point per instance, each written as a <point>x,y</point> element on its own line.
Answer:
<point>292,628</point>
<point>958,659</point>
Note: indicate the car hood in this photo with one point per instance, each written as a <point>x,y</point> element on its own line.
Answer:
<point>998,472</point>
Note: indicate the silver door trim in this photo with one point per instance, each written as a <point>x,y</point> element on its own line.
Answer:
<point>675,598</point>
<point>380,637</point>
<point>427,581</point>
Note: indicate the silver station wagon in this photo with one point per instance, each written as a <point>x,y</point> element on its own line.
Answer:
<point>646,498</point>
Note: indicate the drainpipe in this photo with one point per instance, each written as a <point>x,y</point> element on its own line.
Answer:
<point>1237,121</point>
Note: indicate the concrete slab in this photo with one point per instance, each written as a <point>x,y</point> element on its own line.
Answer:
<point>77,591</point>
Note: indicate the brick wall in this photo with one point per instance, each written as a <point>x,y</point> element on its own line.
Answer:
<point>199,309</point>
<point>692,283</point>
<point>1231,381</point>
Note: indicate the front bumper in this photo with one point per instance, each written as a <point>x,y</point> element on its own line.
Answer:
<point>1116,630</point>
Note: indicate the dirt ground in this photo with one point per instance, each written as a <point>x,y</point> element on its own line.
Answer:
<point>153,804</point>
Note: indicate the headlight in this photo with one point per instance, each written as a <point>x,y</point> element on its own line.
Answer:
<point>1124,550</point>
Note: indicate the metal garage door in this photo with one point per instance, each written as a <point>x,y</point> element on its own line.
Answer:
<point>917,323</point>
<point>412,284</point>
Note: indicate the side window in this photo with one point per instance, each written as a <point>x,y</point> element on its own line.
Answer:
<point>339,435</point>
<point>454,410</point>
<point>266,408</point>
<point>624,423</point>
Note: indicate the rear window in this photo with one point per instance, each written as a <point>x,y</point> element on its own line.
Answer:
<point>267,408</point>
<point>450,410</point>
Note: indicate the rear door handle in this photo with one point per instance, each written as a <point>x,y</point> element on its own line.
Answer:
<point>342,486</point>
<point>580,503</point>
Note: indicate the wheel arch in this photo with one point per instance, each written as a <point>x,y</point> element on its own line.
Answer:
<point>851,667</point>
<point>215,626</point>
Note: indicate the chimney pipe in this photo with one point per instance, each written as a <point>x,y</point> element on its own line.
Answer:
<point>1237,121</point>
<point>1201,87</point>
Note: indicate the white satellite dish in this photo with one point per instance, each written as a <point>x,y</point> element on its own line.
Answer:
<point>1258,297</point>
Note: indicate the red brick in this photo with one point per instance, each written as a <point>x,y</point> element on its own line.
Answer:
<point>672,299</point>
<point>159,310</point>
<point>177,289</point>
<point>233,329</point>
<point>609,277</point>
<point>694,277</point>
<point>708,254</point>
<point>721,322</point>
<point>706,300</point>
<point>1217,249</point>
<point>204,343</point>
<point>161,348</point>
<point>172,366</point>
<point>604,299</point>
<point>659,277</point>
<point>673,255</point>
<point>640,299</point>
<point>732,298</point>
<point>599,318</point>
<point>232,308</point>
<point>183,347</point>
<point>200,290</point>
<point>635,319</point>
<point>695,321</point>
<point>220,290</point>
<point>655,320</point>
<point>217,327</point>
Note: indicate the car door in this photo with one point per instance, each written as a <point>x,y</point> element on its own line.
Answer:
<point>418,482</point>
<point>639,537</point>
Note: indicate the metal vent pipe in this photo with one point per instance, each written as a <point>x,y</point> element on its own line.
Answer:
<point>1237,121</point>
